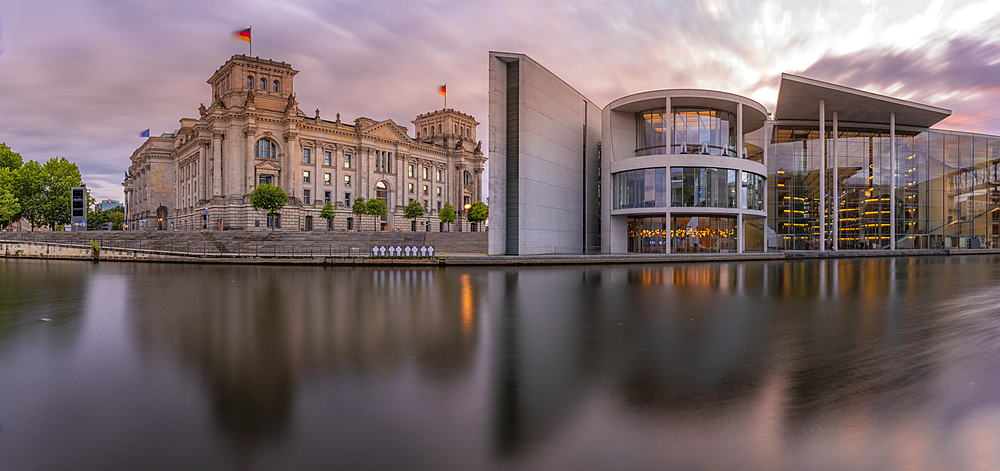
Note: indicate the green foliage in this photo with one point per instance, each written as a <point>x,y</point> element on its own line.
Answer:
<point>30,191</point>
<point>99,219</point>
<point>360,207</point>
<point>58,177</point>
<point>327,212</point>
<point>8,158</point>
<point>413,210</point>
<point>95,250</point>
<point>9,208</point>
<point>376,208</point>
<point>447,214</point>
<point>268,197</point>
<point>478,212</point>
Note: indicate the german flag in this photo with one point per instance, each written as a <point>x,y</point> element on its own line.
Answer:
<point>443,90</point>
<point>243,34</point>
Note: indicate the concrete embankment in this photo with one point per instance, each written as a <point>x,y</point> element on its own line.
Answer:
<point>296,249</point>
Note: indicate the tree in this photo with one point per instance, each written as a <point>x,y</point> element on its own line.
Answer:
<point>376,209</point>
<point>328,213</point>
<point>413,211</point>
<point>268,197</point>
<point>447,215</point>
<point>478,212</point>
<point>360,209</point>
<point>29,190</point>
<point>100,218</point>
<point>8,158</point>
<point>9,208</point>
<point>58,178</point>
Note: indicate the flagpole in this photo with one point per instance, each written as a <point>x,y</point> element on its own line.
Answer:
<point>251,40</point>
<point>445,96</point>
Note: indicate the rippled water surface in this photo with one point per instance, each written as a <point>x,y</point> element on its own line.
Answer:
<point>840,364</point>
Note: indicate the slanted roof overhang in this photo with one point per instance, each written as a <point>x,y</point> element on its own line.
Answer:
<point>798,99</point>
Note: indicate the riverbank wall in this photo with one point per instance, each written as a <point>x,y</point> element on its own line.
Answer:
<point>195,247</point>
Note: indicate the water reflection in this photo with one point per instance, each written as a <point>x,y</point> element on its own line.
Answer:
<point>851,363</point>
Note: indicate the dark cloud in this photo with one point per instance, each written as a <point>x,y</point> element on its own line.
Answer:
<point>961,74</point>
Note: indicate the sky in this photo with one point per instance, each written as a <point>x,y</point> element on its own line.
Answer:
<point>82,78</point>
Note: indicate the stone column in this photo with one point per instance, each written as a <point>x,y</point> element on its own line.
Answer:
<point>291,166</point>
<point>822,175</point>
<point>892,181</point>
<point>836,187</point>
<point>216,164</point>
<point>766,143</point>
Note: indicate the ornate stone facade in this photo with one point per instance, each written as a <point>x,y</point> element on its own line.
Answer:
<point>200,176</point>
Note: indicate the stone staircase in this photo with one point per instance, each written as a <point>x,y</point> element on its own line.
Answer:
<point>264,243</point>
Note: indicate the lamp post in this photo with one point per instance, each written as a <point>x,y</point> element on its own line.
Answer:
<point>467,206</point>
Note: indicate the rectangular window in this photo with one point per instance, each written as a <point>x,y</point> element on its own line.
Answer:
<point>425,205</point>
<point>439,206</point>
<point>440,174</point>
<point>326,178</point>
<point>409,186</point>
<point>305,196</point>
<point>438,190</point>
<point>305,176</point>
<point>347,181</point>
<point>327,158</point>
<point>265,179</point>
<point>411,171</point>
<point>306,156</point>
<point>425,189</point>
<point>427,173</point>
<point>326,197</point>
<point>350,224</point>
<point>347,160</point>
<point>347,199</point>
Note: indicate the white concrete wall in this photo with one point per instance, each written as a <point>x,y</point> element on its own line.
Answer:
<point>551,161</point>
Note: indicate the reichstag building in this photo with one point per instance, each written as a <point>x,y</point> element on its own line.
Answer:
<point>253,132</point>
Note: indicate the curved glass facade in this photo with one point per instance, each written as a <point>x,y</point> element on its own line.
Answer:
<point>686,131</point>
<point>947,188</point>
<point>643,188</point>
<point>703,187</point>
<point>753,191</point>
<point>703,234</point>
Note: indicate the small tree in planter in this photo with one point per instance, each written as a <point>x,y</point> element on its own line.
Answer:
<point>328,214</point>
<point>376,209</point>
<point>268,197</point>
<point>413,211</point>
<point>447,215</point>
<point>360,209</point>
<point>478,212</point>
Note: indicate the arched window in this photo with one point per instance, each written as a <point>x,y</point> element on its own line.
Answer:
<point>425,132</point>
<point>263,84</point>
<point>440,129</point>
<point>249,81</point>
<point>276,87</point>
<point>265,149</point>
<point>467,178</point>
<point>381,192</point>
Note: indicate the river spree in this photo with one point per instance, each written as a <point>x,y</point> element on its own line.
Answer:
<point>883,363</point>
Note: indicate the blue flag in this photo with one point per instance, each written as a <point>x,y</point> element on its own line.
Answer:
<point>144,133</point>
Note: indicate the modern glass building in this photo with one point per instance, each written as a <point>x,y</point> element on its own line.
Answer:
<point>696,171</point>
<point>683,178</point>
<point>851,170</point>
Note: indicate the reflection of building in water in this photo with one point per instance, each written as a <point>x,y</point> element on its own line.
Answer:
<point>255,332</point>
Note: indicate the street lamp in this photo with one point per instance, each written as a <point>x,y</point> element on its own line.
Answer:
<point>467,206</point>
